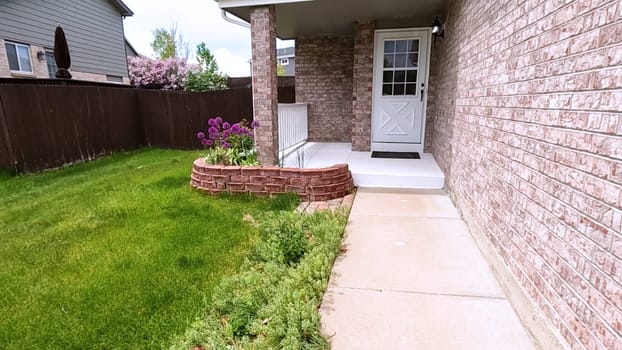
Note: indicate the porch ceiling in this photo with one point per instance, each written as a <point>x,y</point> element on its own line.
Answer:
<point>335,17</point>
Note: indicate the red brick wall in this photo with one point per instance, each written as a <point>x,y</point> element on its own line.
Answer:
<point>528,129</point>
<point>324,80</point>
<point>265,88</point>
<point>310,184</point>
<point>363,75</point>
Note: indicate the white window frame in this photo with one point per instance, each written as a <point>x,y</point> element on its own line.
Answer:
<point>20,71</point>
<point>284,61</point>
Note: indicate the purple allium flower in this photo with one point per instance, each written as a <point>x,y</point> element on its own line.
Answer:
<point>225,144</point>
<point>254,124</point>
<point>218,120</point>
<point>209,143</point>
<point>212,122</point>
<point>235,127</point>
<point>205,142</point>
<point>226,125</point>
<point>213,130</point>
<point>200,135</point>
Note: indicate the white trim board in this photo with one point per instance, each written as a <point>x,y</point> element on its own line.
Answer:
<point>223,4</point>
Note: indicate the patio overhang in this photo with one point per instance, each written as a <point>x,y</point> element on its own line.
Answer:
<point>297,18</point>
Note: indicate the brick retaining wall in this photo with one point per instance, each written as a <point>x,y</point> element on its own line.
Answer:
<point>310,184</point>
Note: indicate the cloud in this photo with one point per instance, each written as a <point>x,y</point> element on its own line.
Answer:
<point>198,21</point>
<point>231,64</point>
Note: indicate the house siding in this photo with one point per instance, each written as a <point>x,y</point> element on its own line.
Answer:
<point>528,130</point>
<point>324,81</point>
<point>94,31</point>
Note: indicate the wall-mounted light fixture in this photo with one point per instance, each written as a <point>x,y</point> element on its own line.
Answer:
<point>437,29</point>
<point>40,55</point>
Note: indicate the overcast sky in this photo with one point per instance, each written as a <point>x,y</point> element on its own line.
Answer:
<point>197,20</point>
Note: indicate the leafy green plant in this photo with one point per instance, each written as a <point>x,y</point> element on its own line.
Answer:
<point>206,77</point>
<point>228,144</point>
<point>272,302</point>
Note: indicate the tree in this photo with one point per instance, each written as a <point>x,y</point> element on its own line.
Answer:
<point>168,74</point>
<point>206,77</point>
<point>280,71</point>
<point>169,43</point>
<point>163,43</point>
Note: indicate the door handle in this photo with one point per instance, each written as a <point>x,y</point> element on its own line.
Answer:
<point>422,89</point>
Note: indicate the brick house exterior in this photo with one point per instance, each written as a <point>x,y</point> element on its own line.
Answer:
<point>524,116</point>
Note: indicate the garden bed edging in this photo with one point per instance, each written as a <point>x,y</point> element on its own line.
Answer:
<point>315,184</point>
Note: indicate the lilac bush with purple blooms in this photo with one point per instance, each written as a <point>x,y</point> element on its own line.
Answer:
<point>229,144</point>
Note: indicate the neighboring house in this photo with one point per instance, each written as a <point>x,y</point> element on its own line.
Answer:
<point>521,106</point>
<point>130,51</point>
<point>287,59</point>
<point>94,31</point>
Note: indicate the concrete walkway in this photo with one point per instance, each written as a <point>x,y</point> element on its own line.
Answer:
<point>413,278</point>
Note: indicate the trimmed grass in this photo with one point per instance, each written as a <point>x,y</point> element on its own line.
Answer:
<point>115,253</point>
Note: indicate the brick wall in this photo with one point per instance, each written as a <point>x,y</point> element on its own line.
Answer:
<point>265,89</point>
<point>363,82</point>
<point>320,184</point>
<point>528,129</point>
<point>324,80</point>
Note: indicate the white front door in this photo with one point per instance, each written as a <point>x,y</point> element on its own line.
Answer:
<point>400,82</point>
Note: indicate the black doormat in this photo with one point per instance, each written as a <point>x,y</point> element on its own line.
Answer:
<point>395,155</point>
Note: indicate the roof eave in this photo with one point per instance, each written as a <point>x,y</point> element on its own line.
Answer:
<point>224,4</point>
<point>125,11</point>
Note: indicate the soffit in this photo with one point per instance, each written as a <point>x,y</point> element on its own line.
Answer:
<point>336,17</point>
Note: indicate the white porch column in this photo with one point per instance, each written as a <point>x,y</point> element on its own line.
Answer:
<point>265,103</point>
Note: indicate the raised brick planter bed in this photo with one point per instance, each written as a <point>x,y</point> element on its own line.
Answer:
<point>320,184</point>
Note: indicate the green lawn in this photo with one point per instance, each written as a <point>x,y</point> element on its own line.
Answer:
<point>116,253</point>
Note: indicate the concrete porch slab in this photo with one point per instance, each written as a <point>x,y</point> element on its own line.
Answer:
<point>421,173</point>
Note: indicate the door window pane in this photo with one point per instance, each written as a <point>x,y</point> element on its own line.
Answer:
<point>401,45</point>
<point>400,67</point>
<point>387,77</point>
<point>388,61</point>
<point>413,60</point>
<point>400,76</point>
<point>413,46</point>
<point>389,46</point>
<point>398,89</point>
<point>400,60</point>
<point>387,89</point>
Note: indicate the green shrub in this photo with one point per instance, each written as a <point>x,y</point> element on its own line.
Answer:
<point>272,303</point>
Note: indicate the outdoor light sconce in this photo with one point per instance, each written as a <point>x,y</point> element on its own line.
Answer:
<point>437,29</point>
<point>40,55</point>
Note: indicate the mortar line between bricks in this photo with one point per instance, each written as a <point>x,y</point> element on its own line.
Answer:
<point>399,291</point>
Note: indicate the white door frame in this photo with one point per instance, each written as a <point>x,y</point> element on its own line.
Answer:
<point>401,147</point>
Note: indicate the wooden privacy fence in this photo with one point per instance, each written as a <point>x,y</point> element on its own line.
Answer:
<point>47,126</point>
